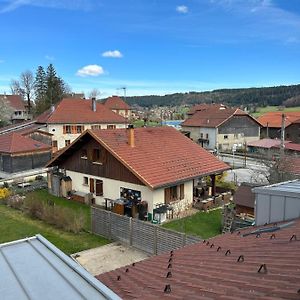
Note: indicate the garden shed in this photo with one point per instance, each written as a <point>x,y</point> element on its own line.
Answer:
<point>277,202</point>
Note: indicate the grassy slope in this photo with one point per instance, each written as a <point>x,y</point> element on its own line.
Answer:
<point>263,110</point>
<point>202,224</point>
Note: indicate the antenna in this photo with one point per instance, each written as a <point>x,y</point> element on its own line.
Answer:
<point>124,88</point>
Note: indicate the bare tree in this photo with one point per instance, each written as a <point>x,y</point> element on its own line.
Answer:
<point>24,87</point>
<point>94,93</point>
<point>5,111</point>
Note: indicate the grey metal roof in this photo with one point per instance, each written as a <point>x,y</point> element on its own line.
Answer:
<point>33,268</point>
<point>287,188</point>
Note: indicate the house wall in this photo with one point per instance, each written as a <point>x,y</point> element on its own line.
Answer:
<point>13,164</point>
<point>292,133</point>
<point>60,137</point>
<point>272,133</point>
<point>238,130</point>
<point>195,134</point>
<point>43,138</point>
<point>109,168</point>
<point>126,113</point>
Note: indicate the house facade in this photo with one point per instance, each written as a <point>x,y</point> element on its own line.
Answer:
<point>218,127</point>
<point>156,166</point>
<point>119,106</point>
<point>71,117</point>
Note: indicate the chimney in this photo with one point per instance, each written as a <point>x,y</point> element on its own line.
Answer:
<point>93,104</point>
<point>52,108</point>
<point>130,129</point>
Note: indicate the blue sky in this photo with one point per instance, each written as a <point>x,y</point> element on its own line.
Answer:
<point>152,46</point>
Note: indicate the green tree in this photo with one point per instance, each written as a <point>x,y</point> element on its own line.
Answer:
<point>40,87</point>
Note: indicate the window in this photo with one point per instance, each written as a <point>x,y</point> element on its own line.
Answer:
<point>225,137</point>
<point>96,155</point>
<point>201,135</point>
<point>111,126</point>
<point>85,180</point>
<point>54,146</point>
<point>207,136</point>
<point>99,187</point>
<point>96,127</point>
<point>67,129</point>
<point>236,136</point>
<point>170,194</point>
<point>79,129</point>
<point>67,142</point>
<point>84,153</point>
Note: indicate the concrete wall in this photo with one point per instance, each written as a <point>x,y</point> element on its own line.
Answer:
<point>60,137</point>
<point>195,134</point>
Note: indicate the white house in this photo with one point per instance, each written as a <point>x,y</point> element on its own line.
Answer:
<point>71,117</point>
<point>154,165</point>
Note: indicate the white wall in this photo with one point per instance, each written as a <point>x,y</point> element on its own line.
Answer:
<point>60,137</point>
<point>111,189</point>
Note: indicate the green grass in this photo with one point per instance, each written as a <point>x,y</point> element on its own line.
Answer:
<point>16,225</point>
<point>140,123</point>
<point>263,110</point>
<point>43,195</point>
<point>202,224</point>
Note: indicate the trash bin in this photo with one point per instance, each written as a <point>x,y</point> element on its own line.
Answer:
<point>149,217</point>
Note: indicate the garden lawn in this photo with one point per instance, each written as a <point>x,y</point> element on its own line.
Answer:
<point>43,195</point>
<point>16,225</point>
<point>202,224</point>
<point>262,110</point>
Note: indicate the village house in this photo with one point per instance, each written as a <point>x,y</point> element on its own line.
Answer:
<point>272,122</point>
<point>71,117</point>
<point>119,106</point>
<point>153,166</point>
<point>218,127</point>
<point>20,153</point>
<point>19,111</point>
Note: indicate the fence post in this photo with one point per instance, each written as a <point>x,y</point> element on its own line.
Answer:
<point>109,222</point>
<point>155,240</point>
<point>130,231</point>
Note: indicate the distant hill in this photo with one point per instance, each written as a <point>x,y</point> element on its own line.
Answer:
<point>247,96</point>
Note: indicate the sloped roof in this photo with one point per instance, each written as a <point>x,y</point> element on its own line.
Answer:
<point>15,101</point>
<point>212,116</point>
<point>224,267</point>
<point>79,111</point>
<point>33,268</point>
<point>274,119</point>
<point>161,155</point>
<point>115,102</point>
<point>204,106</point>
<point>266,143</point>
<point>244,195</point>
<point>290,164</point>
<point>16,143</point>
<point>290,146</point>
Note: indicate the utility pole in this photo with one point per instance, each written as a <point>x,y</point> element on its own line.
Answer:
<point>282,135</point>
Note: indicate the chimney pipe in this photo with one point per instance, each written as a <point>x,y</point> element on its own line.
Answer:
<point>93,104</point>
<point>52,108</point>
<point>131,135</point>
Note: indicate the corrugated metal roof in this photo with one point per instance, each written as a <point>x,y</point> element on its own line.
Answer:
<point>283,188</point>
<point>33,268</point>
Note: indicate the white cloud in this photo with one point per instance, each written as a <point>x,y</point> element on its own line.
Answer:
<point>12,5</point>
<point>182,9</point>
<point>112,53</point>
<point>90,70</point>
<point>49,57</point>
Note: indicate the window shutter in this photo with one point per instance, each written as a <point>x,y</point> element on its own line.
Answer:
<point>74,131</point>
<point>167,195</point>
<point>182,191</point>
<point>64,129</point>
<point>92,185</point>
<point>99,187</point>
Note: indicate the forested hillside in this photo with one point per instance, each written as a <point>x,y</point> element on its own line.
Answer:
<point>253,96</point>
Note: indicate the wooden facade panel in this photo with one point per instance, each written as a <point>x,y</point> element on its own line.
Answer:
<point>109,167</point>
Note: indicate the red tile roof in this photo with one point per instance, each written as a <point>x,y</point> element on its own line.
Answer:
<point>274,119</point>
<point>290,146</point>
<point>15,101</point>
<point>79,111</point>
<point>212,116</point>
<point>204,106</point>
<point>289,164</point>
<point>116,102</point>
<point>229,266</point>
<point>244,196</point>
<point>13,143</point>
<point>266,143</point>
<point>161,155</point>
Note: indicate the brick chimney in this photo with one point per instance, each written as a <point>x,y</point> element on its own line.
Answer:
<point>130,129</point>
<point>94,104</point>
